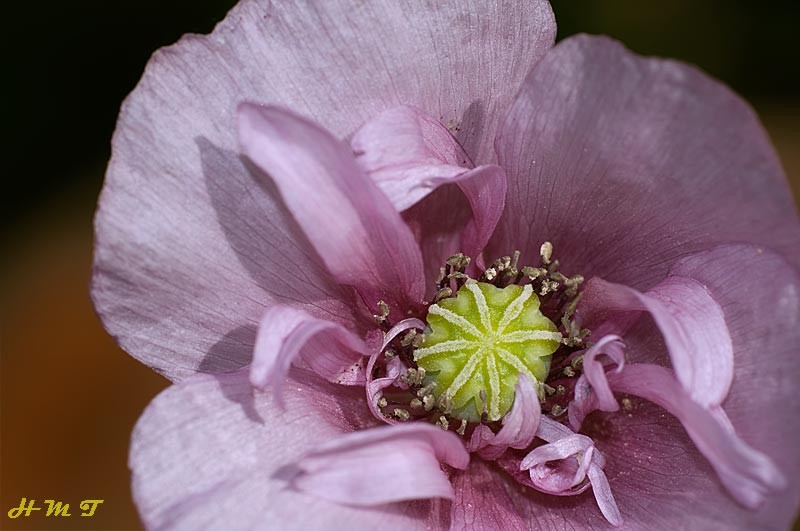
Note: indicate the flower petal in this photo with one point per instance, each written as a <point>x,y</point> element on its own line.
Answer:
<point>594,371</point>
<point>180,212</point>
<point>360,237</point>
<point>211,454</point>
<point>286,332</point>
<point>409,154</point>
<point>381,465</point>
<point>519,425</point>
<point>627,163</point>
<point>652,461</point>
<point>691,321</point>
<point>481,502</point>
<point>403,149</point>
<point>749,475</point>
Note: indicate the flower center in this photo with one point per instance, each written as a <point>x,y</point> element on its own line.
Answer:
<point>479,341</point>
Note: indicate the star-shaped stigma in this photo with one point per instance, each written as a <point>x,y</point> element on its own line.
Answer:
<point>479,341</point>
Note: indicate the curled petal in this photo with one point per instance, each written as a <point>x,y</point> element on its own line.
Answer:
<point>352,225</point>
<point>562,467</point>
<point>285,332</point>
<point>409,154</point>
<point>595,372</point>
<point>381,465</point>
<point>603,495</point>
<point>749,475</point>
<point>210,442</point>
<point>403,150</point>
<point>519,425</point>
<point>375,387</point>
<point>691,321</point>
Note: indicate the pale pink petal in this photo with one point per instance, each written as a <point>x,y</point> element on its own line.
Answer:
<point>180,212</point>
<point>286,332</point>
<point>652,461</point>
<point>409,154</point>
<point>627,164</point>
<point>519,425</point>
<point>594,371</point>
<point>691,322</point>
<point>481,502</point>
<point>360,237</point>
<point>403,149</point>
<point>381,465</point>
<point>748,474</point>
<point>210,453</point>
<point>604,496</point>
<point>567,466</point>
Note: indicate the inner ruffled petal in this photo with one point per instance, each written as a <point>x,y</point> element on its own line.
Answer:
<point>381,465</point>
<point>286,333</point>
<point>409,154</point>
<point>691,321</point>
<point>353,226</point>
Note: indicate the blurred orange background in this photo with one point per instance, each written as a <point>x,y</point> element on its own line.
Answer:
<point>70,396</point>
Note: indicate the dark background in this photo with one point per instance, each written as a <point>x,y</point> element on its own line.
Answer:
<point>70,397</point>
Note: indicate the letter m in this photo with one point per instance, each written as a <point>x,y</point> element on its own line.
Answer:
<point>57,508</point>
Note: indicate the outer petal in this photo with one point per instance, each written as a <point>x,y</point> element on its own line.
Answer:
<point>382,465</point>
<point>691,321</point>
<point>286,332</point>
<point>190,246</point>
<point>210,454</point>
<point>360,237</point>
<point>626,164</point>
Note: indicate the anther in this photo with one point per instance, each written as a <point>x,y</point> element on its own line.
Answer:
<point>557,410</point>
<point>627,404</point>
<point>458,261</point>
<point>401,414</point>
<point>550,391</point>
<point>462,428</point>
<point>443,423</point>
<point>490,273</point>
<point>577,362</point>
<point>428,402</point>
<point>415,403</point>
<point>382,317</point>
<point>561,390</point>
<point>442,294</point>
<point>568,371</point>
<point>383,402</point>
<point>408,338</point>
<point>546,252</point>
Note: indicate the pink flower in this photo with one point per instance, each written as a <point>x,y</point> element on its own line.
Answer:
<point>270,236</point>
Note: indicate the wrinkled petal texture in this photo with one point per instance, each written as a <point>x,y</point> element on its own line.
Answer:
<point>286,333</point>
<point>627,163</point>
<point>191,246</point>
<point>206,455</point>
<point>351,223</point>
<point>381,465</point>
